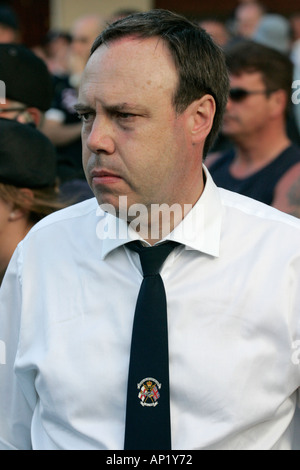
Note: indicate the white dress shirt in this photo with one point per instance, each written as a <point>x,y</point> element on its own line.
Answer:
<point>233,289</point>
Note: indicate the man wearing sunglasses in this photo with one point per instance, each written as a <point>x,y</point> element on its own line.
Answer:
<point>28,85</point>
<point>263,162</point>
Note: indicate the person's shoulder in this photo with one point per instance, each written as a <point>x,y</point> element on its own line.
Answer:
<point>249,207</point>
<point>62,216</point>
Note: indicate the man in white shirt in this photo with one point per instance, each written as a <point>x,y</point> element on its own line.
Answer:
<point>151,101</point>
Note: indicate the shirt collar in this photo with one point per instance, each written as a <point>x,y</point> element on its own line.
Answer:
<point>199,230</point>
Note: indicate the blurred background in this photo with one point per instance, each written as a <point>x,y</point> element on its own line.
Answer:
<point>37,17</point>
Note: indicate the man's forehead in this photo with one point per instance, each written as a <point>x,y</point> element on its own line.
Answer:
<point>136,61</point>
<point>249,75</point>
<point>131,50</point>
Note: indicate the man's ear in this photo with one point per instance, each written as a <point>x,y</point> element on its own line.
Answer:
<point>278,103</point>
<point>202,117</point>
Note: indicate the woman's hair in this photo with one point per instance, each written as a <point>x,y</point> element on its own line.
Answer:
<point>200,63</point>
<point>37,202</point>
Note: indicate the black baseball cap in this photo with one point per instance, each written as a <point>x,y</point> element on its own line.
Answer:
<point>8,17</point>
<point>26,76</point>
<point>27,157</point>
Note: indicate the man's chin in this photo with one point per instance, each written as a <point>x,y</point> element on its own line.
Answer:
<point>114,205</point>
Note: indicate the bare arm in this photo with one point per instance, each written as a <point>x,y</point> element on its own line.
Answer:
<point>287,192</point>
<point>60,133</point>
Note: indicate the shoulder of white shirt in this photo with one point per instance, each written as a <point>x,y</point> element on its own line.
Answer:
<point>250,206</point>
<point>242,204</point>
<point>74,211</point>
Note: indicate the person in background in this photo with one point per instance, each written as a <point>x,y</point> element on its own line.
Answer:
<point>9,26</point>
<point>84,31</point>
<point>55,50</point>
<point>121,13</point>
<point>28,187</point>
<point>295,45</point>
<point>61,123</point>
<point>28,85</point>
<point>232,282</point>
<point>263,163</point>
<point>217,29</point>
<point>295,57</point>
<point>241,25</point>
<point>247,16</point>
<point>275,31</point>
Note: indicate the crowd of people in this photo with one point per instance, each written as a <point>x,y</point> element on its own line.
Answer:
<point>202,124</point>
<point>65,54</point>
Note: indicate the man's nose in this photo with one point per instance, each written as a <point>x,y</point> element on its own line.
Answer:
<point>101,137</point>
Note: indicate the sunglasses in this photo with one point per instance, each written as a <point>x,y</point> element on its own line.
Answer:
<point>20,112</point>
<point>9,110</point>
<point>239,94</point>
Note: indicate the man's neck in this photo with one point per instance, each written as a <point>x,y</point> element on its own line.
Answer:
<point>163,218</point>
<point>254,153</point>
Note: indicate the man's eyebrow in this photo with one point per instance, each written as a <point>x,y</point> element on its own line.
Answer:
<point>111,108</point>
<point>82,107</point>
<point>125,108</point>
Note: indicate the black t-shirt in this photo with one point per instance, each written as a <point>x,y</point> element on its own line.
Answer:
<point>260,185</point>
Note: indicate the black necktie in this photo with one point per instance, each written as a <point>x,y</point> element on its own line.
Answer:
<point>148,425</point>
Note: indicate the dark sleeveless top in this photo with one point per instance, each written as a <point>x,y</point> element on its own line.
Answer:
<point>260,185</point>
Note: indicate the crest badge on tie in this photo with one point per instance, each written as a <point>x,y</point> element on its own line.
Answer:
<point>148,391</point>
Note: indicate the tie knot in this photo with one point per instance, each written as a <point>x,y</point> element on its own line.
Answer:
<point>152,258</point>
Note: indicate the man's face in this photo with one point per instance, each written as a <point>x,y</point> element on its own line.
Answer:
<point>248,16</point>
<point>134,143</point>
<point>249,116</point>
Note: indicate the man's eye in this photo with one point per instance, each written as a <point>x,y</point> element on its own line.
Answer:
<point>85,117</point>
<point>125,115</point>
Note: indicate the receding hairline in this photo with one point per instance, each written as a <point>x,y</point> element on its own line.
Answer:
<point>128,36</point>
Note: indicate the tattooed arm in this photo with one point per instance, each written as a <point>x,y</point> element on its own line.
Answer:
<point>287,192</point>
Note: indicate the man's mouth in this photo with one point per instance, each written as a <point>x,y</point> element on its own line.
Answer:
<point>104,177</point>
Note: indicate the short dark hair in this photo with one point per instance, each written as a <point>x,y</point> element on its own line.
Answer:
<point>199,61</point>
<point>275,67</point>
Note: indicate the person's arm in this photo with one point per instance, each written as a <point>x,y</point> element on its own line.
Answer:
<point>287,192</point>
<point>57,131</point>
<point>16,410</point>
